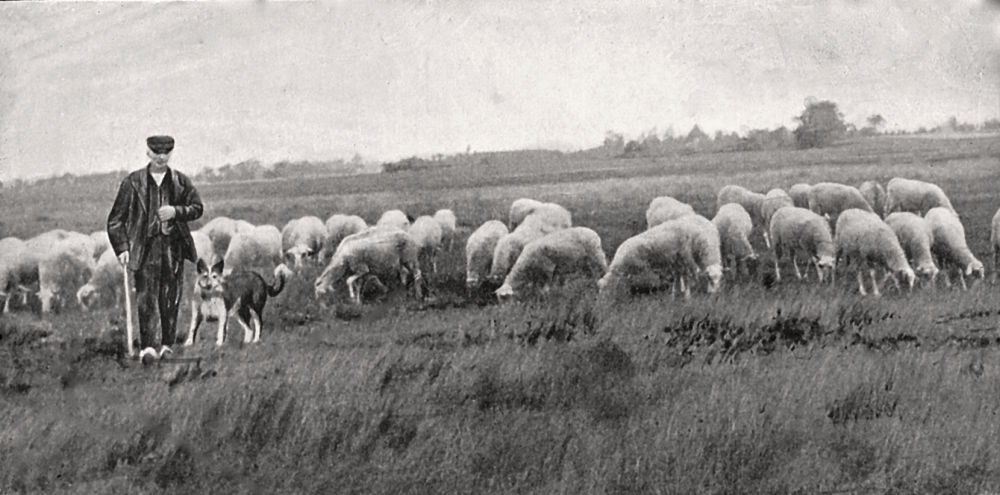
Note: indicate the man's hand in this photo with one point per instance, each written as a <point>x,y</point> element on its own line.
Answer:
<point>166,212</point>
<point>123,258</point>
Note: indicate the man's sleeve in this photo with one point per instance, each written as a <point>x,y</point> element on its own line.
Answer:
<point>118,219</point>
<point>192,208</point>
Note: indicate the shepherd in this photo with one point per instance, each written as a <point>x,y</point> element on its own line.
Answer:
<point>149,233</point>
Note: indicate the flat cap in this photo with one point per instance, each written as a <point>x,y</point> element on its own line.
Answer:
<point>160,144</point>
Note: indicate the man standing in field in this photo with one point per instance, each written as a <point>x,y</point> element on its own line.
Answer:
<point>149,233</point>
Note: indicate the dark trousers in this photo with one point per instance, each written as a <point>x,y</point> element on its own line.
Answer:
<point>158,284</point>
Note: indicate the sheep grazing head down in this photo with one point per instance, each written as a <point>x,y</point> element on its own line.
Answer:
<point>927,270</point>
<point>714,273</point>
<point>85,296</point>
<point>298,254</point>
<point>975,268</point>
<point>824,267</point>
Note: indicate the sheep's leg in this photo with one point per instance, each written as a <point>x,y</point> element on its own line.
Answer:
<point>795,263</point>
<point>861,284</point>
<point>961,278</point>
<point>767,239</point>
<point>777,271</point>
<point>875,291</point>
<point>351,281</point>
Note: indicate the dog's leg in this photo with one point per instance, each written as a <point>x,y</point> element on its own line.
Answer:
<point>223,321</point>
<point>196,318</point>
<point>256,325</point>
<point>247,331</point>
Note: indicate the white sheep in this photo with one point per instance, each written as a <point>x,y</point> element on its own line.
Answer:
<point>828,199</point>
<point>106,282</point>
<point>519,210</point>
<point>258,248</point>
<point>734,226</point>
<point>446,219</point>
<point>950,248</point>
<point>995,241</point>
<point>101,243</point>
<point>863,239</point>
<point>677,250</point>
<point>914,195</point>
<point>774,200</point>
<point>244,226</point>
<point>63,265</point>
<point>302,239</point>
<point>795,230</point>
<point>338,227</point>
<point>393,219</point>
<point>749,200</point>
<point>916,237</point>
<point>556,255</point>
<point>479,250</point>
<point>665,208</point>
<point>375,255</point>
<point>509,247</point>
<point>800,195</point>
<point>426,232</point>
<point>874,194</point>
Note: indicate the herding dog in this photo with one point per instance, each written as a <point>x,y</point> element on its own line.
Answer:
<point>242,293</point>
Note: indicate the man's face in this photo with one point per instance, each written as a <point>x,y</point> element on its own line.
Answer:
<point>159,160</point>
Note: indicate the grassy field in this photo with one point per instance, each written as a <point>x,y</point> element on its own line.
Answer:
<point>795,388</point>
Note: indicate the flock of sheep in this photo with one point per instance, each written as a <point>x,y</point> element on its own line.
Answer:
<point>907,230</point>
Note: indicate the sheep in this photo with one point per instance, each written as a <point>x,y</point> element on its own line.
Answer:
<point>519,210</point>
<point>874,194</point>
<point>995,242</point>
<point>796,229</point>
<point>916,237</point>
<point>259,248</point>
<point>479,250</point>
<point>552,213</point>
<point>374,254</point>
<point>63,265</point>
<point>914,195</point>
<point>221,231</point>
<point>393,219</point>
<point>734,226</point>
<point>301,240</point>
<point>681,248</point>
<point>101,243</point>
<point>868,242</point>
<point>446,219</point>
<point>509,247</point>
<point>800,195</point>
<point>338,227</point>
<point>829,199</point>
<point>426,232</point>
<point>559,254</point>
<point>774,200</point>
<point>17,268</point>
<point>950,248</point>
<point>750,201</point>
<point>204,248</point>
<point>105,284</point>
<point>244,226</point>
<point>665,208</point>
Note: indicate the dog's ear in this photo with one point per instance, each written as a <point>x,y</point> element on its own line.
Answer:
<point>217,268</point>
<point>201,266</point>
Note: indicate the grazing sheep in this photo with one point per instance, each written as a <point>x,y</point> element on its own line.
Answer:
<point>874,194</point>
<point>864,239</point>
<point>106,282</point>
<point>995,241</point>
<point>916,238</point>
<point>337,228</point>
<point>829,199</point>
<point>664,209</point>
<point>800,195</point>
<point>101,243</point>
<point>479,251</point>
<point>393,219</point>
<point>509,247</point>
<point>774,200</point>
<point>17,269</point>
<point>259,248</point>
<point>750,201</point>
<point>301,240</point>
<point>244,226</point>
<point>556,255</point>
<point>734,226</point>
<point>519,210</point>
<point>678,249</point>
<point>795,229</point>
<point>64,266</point>
<point>376,254</point>
<point>914,195</point>
<point>426,232</point>
<point>950,248</point>
<point>446,219</point>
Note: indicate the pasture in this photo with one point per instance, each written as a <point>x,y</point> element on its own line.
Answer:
<point>790,388</point>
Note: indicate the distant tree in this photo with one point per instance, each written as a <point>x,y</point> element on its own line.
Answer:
<point>820,124</point>
<point>696,135</point>
<point>991,125</point>
<point>876,121</point>
<point>614,142</point>
<point>633,148</point>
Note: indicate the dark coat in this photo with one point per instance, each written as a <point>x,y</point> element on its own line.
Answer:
<point>127,222</point>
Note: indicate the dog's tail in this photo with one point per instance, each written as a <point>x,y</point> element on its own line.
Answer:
<point>281,273</point>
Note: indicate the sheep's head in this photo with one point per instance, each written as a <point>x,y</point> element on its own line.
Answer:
<point>324,282</point>
<point>908,276</point>
<point>85,295</point>
<point>296,254</point>
<point>975,268</point>
<point>825,266</point>
<point>714,273</point>
<point>927,270</point>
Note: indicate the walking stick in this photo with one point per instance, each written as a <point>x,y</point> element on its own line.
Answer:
<point>128,314</point>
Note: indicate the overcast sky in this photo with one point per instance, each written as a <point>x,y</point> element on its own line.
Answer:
<point>83,83</point>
